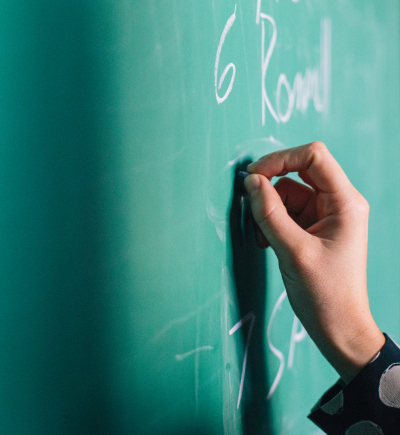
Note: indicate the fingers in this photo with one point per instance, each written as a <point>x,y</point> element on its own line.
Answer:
<point>305,177</point>
<point>294,195</point>
<point>313,161</point>
<point>261,240</point>
<point>270,214</point>
<point>282,213</point>
<point>299,201</point>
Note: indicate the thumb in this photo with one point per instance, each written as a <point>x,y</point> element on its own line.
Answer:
<point>271,215</point>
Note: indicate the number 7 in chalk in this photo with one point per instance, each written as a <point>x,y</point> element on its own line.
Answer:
<point>250,317</point>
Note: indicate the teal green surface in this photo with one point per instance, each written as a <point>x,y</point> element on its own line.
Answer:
<point>119,308</point>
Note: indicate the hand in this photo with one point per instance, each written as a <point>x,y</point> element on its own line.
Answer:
<point>319,235</point>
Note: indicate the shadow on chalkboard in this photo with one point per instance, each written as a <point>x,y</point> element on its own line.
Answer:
<point>250,275</point>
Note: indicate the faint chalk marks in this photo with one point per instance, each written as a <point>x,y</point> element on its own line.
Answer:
<point>255,148</point>
<point>183,319</point>
<point>217,216</point>
<point>182,356</point>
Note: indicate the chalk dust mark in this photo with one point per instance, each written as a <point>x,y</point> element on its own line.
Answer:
<point>183,319</point>
<point>258,147</point>
<point>182,356</point>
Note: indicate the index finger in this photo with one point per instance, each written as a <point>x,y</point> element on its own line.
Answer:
<point>314,158</point>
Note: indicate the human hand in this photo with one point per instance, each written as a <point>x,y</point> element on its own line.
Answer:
<point>319,235</point>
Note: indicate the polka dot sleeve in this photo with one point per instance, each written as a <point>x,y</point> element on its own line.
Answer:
<point>369,404</point>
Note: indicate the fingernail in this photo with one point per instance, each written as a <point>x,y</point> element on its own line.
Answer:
<point>251,166</point>
<point>252,184</point>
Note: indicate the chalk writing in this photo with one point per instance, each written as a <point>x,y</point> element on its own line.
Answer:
<point>274,350</point>
<point>296,337</point>
<point>305,87</point>
<point>227,27</point>
<point>182,356</point>
<point>250,317</point>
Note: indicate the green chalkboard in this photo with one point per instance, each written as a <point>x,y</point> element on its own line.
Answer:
<point>134,299</point>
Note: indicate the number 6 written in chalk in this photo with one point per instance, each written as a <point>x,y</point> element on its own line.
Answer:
<point>227,27</point>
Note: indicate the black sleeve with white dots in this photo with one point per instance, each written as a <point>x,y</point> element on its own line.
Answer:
<point>369,404</point>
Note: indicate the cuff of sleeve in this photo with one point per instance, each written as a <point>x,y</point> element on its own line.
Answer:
<point>371,398</point>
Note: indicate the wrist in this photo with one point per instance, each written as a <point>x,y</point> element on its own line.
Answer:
<point>352,351</point>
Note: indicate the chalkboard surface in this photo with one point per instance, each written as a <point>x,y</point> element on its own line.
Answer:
<point>134,298</point>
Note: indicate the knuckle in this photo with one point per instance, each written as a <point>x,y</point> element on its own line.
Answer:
<point>359,207</point>
<point>362,205</point>
<point>318,147</point>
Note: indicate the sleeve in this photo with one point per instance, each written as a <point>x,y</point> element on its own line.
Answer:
<point>369,404</point>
